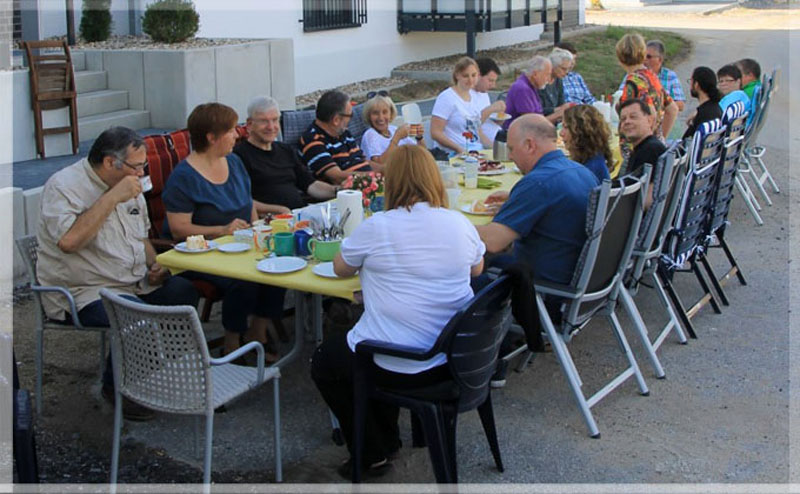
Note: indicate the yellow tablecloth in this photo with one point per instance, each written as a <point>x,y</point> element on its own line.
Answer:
<point>242,266</point>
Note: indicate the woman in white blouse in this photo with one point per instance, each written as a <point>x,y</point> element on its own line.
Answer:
<point>415,261</point>
<point>382,136</point>
<point>456,115</point>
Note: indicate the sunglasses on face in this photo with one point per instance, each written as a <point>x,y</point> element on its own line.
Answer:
<point>372,94</point>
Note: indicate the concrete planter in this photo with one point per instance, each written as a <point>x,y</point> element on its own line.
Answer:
<point>170,83</point>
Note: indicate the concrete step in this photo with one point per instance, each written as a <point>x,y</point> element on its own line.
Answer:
<point>105,101</point>
<point>87,81</point>
<point>92,126</point>
<point>78,60</point>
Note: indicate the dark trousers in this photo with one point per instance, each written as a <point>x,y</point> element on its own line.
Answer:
<point>332,372</point>
<point>240,299</point>
<point>174,291</point>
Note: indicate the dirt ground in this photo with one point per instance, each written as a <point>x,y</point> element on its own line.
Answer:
<point>719,422</point>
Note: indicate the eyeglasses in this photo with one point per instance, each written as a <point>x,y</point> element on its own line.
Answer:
<point>137,167</point>
<point>372,94</point>
<point>726,81</point>
<point>648,56</point>
<point>346,115</point>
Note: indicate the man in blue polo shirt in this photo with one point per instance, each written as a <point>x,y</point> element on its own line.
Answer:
<point>545,212</point>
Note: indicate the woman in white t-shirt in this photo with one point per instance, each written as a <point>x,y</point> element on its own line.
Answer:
<point>457,112</point>
<point>382,136</point>
<point>415,261</point>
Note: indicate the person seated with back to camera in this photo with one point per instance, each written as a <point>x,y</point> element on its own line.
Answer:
<point>415,261</point>
<point>327,147</point>
<point>703,86</point>
<point>382,137</point>
<point>586,136</point>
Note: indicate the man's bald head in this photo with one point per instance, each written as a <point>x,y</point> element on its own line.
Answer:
<point>530,137</point>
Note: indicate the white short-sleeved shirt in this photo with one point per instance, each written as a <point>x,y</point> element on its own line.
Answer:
<point>489,127</point>
<point>415,273</point>
<point>374,144</point>
<point>461,116</point>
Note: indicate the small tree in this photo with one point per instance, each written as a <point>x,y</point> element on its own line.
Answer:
<point>96,20</point>
<point>171,21</point>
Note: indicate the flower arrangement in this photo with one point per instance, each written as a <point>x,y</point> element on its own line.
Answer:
<point>370,184</point>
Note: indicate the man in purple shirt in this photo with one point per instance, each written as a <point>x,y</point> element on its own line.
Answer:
<point>523,95</point>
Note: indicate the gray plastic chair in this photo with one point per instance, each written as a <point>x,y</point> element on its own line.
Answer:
<point>161,361</point>
<point>28,248</point>
<point>612,226</point>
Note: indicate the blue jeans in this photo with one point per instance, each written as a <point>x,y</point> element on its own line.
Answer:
<point>174,291</point>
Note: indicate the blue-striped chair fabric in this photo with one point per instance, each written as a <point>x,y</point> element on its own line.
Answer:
<point>734,120</point>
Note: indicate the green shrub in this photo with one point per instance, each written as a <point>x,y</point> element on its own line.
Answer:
<point>171,21</point>
<point>96,20</point>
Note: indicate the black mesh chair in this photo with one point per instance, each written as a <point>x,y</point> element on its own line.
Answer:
<point>471,340</point>
<point>668,175</point>
<point>686,240</point>
<point>612,226</point>
<point>734,120</point>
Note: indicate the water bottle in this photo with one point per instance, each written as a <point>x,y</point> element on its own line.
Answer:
<point>471,172</point>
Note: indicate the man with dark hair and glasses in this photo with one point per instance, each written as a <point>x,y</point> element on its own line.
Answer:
<point>327,147</point>
<point>729,80</point>
<point>92,234</point>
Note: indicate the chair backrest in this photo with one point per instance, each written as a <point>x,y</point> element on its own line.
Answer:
<point>690,227</point>
<point>357,126</point>
<point>760,106</point>
<point>52,79</point>
<point>472,340</point>
<point>160,355</point>
<point>164,152</point>
<point>735,121</point>
<point>622,219</point>
<point>662,180</point>
<point>294,123</point>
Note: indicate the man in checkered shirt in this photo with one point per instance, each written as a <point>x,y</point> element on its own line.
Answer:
<point>575,89</point>
<point>654,60</point>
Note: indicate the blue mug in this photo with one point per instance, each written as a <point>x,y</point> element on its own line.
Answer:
<point>301,238</point>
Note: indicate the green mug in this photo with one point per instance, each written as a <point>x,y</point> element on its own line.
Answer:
<point>282,243</point>
<point>324,250</point>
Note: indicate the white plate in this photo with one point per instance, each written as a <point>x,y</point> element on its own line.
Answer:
<point>234,247</point>
<point>499,171</point>
<point>467,208</point>
<point>505,117</point>
<point>279,265</point>
<point>324,269</point>
<point>181,247</point>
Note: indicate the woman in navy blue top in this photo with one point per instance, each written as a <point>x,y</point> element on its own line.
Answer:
<point>208,194</point>
<point>586,136</point>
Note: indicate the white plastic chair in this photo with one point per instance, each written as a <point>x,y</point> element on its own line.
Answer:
<point>161,361</point>
<point>28,248</point>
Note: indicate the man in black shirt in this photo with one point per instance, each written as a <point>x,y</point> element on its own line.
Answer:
<point>277,174</point>
<point>703,84</point>
<point>636,124</point>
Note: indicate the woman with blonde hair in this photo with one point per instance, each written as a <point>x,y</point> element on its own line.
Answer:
<point>586,136</point>
<point>415,261</point>
<point>456,115</point>
<point>381,137</point>
<point>641,83</point>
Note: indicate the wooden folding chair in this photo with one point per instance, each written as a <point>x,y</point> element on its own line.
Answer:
<point>52,87</point>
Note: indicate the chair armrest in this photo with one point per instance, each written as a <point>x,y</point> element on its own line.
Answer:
<point>162,244</point>
<point>403,351</point>
<point>73,309</point>
<point>557,289</point>
<point>253,345</point>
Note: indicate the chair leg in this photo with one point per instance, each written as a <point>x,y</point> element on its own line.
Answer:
<point>630,307</point>
<point>747,197</point>
<point>40,365</point>
<point>359,416</point>
<point>197,420</point>
<point>626,349</point>
<point>486,414</point>
<point>706,289</point>
<point>734,265</point>
<point>766,175</point>
<point>676,302</point>
<point>714,282</point>
<point>759,183</point>
<point>450,421</point>
<point>206,310</point>
<point>568,367</point>
<point>116,439</point>
<point>207,455</point>
<point>417,434</point>
<point>102,353</point>
<point>436,438</point>
<point>276,404</point>
<point>673,323</point>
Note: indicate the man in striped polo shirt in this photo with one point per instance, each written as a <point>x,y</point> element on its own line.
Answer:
<point>327,147</point>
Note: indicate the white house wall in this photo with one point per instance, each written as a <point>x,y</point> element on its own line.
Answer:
<point>53,19</point>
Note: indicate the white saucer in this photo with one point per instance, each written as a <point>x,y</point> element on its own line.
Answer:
<point>467,208</point>
<point>181,247</point>
<point>280,265</point>
<point>234,247</point>
<point>494,117</point>
<point>324,269</point>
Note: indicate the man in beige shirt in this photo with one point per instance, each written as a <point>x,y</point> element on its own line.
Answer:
<point>92,234</point>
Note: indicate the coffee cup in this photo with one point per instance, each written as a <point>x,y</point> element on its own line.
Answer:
<point>282,243</point>
<point>146,182</point>
<point>301,238</point>
<point>324,250</point>
<point>261,235</point>
<point>281,223</point>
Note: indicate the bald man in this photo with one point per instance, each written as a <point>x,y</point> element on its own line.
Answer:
<point>544,214</point>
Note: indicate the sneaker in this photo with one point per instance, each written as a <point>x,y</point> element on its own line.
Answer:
<point>130,410</point>
<point>375,470</point>
<point>499,376</point>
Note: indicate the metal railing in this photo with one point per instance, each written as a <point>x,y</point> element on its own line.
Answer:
<point>321,15</point>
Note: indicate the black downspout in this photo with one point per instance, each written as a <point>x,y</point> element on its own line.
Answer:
<point>469,9</point>
<point>70,23</point>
